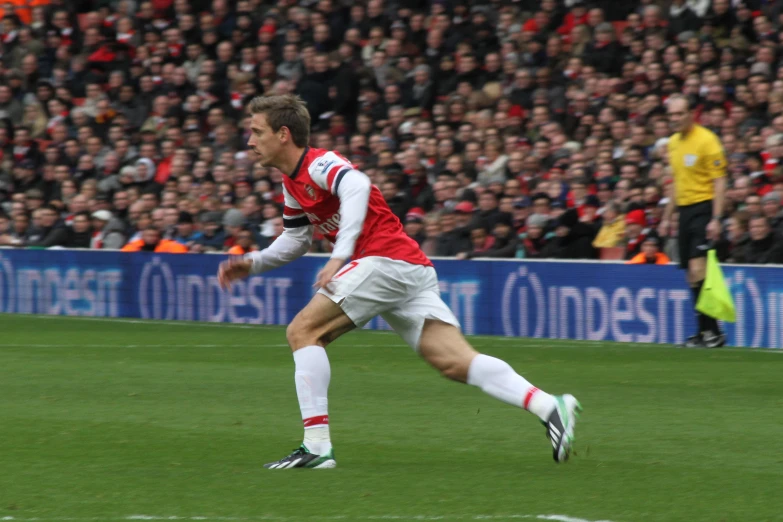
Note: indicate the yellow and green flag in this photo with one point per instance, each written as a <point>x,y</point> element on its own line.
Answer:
<point>715,299</point>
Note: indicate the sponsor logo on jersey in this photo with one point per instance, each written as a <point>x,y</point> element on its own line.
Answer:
<point>326,167</point>
<point>328,226</point>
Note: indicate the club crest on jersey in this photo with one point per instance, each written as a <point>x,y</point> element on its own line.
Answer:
<point>310,191</point>
<point>690,160</point>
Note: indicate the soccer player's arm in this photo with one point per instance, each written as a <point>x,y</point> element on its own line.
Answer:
<point>292,244</point>
<point>352,187</point>
<point>715,160</point>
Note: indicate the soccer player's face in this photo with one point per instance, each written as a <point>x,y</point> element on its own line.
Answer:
<point>263,140</point>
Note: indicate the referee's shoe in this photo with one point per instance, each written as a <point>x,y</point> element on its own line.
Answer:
<point>706,339</point>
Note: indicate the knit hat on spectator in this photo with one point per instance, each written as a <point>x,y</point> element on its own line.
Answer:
<point>102,215</point>
<point>415,215</point>
<point>537,220</point>
<point>233,218</point>
<point>464,207</point>
<point>185,217</point>
<point>760,68</point>
<point>771,196</point>
<point>636,217</point>
<point>523,202</point>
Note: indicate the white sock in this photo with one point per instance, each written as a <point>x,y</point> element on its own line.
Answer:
<point>312,383</point>
<point>498,379</point>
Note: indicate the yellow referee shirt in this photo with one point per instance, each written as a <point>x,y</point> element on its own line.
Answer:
<point>696,160</point>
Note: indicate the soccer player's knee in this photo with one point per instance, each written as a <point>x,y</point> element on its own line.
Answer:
<point>298,334</point>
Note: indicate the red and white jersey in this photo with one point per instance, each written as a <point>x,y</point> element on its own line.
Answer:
<point>311,198</point>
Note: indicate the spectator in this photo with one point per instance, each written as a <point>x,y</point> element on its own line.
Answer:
<point>186,233</point>
<point>151,241</point>
<point>534,239</point>
<point>732,247</point>
<point>414,225</point>
<point>573,240</point>
<point>213,236</point>
<point>651,252</point>
<point>431,235</point>
<point>765,245</point>
<point>17,235</point>
<point>245,242</point>
<point>612,231</point>
<point>109,232</point>
<point>436,110</point>
<point>504,239</point>
<point>452,240</point>
<point>80,232</point>
<point>47,230</point>
<point>770,207</point>
<point>481,242</point>
<point>635,232</point>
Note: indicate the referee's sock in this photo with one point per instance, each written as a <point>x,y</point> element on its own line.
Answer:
<point>705,322</point>
<point>702,320</point>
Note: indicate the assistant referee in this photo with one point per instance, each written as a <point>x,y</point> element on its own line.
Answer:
<point>699,166</point>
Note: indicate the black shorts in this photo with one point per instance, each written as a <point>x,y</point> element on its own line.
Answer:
<point>692,237</point>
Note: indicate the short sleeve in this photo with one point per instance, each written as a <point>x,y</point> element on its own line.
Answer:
<point>714,157</point>
<point>325,170</point>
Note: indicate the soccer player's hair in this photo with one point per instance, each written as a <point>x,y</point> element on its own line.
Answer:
<point>285,110</point>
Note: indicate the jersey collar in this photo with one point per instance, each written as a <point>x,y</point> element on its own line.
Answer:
<point>299,164</point>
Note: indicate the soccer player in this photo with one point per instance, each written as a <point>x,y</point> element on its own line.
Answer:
<point>699,166</point>
<point>387,275</point>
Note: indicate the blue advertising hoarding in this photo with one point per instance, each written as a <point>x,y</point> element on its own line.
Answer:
<point>596,301</point>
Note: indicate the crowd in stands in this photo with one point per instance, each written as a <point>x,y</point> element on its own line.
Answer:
<point>493,128</point>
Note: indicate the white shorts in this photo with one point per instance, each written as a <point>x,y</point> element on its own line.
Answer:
<point>405,295</point>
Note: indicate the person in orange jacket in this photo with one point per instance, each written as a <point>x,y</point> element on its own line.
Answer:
<point>651,252</point>
<point>245,243</point>
<point>151,242</point>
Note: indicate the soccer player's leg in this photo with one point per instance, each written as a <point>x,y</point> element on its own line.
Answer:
<point>313,328</point>
<point>428,326</point>
<point>329,315</point>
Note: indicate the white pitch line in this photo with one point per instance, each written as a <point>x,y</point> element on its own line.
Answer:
<point>158,322</point>
<point>27,345</point>
<point>273,518</point>
<point>247,345</point>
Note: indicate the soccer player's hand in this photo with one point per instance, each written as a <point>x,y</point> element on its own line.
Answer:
<point>325,276</point>
<point>231,270</point>
<point>713,230</point>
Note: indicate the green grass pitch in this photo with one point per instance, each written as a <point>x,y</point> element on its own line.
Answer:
<point>112,420</point>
